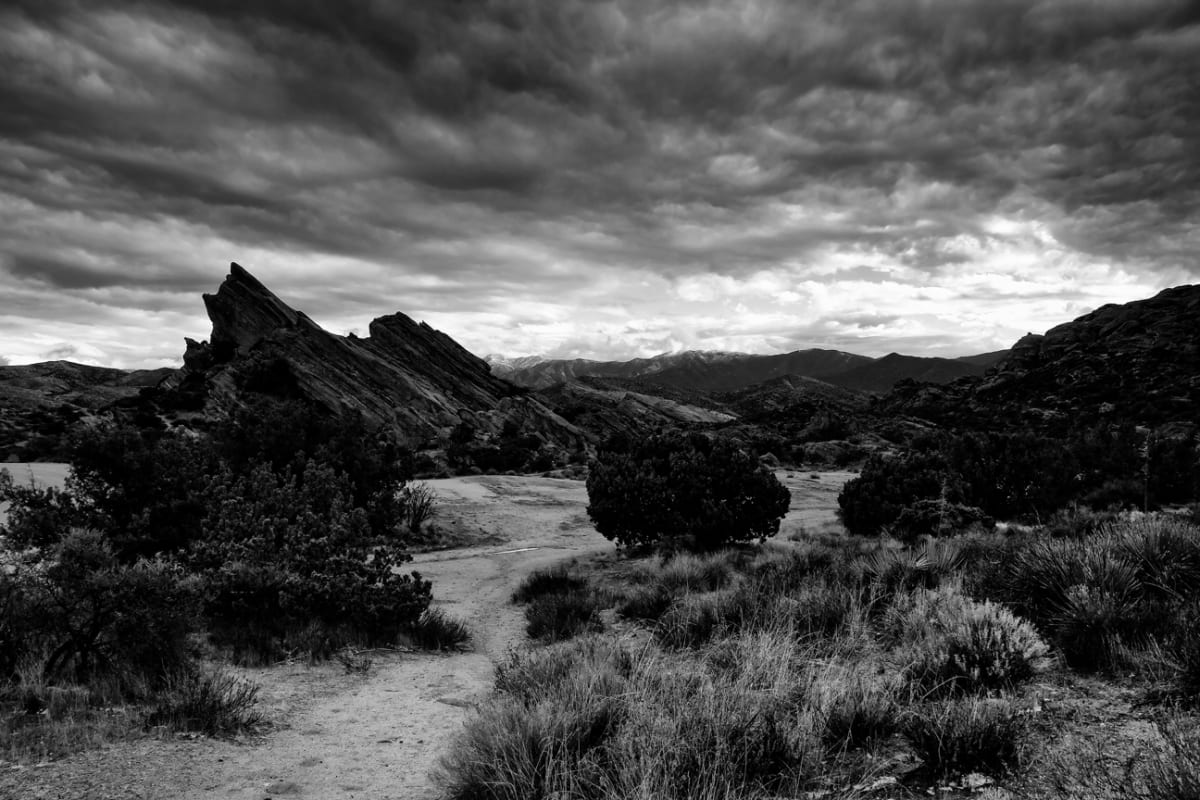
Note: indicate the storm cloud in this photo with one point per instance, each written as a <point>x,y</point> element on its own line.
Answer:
<point>591,178</point>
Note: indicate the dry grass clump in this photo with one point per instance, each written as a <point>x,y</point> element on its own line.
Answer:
<point>554,617</point>
<point>966,735</point>
<point>214,703</point>
<point>552,580</point>
<point>437,630</point>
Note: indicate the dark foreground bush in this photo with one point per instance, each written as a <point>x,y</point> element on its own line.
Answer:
<point>677,492</point>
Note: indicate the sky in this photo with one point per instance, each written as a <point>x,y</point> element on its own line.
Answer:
<point>595,178</point>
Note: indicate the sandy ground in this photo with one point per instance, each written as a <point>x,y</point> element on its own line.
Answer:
<point>379,736</point>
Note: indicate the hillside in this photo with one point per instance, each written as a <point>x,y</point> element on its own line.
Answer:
<point>707,371</point>
<point>38,402</point>
<point>1136,363</point>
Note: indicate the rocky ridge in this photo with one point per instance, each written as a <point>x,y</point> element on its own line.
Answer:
<point>1136,363</point>
<point>405,375</point>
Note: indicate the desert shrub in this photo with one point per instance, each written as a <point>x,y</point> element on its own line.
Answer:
<point>677,492</point>
<point>213,703</point>
<point>892,570</point>
<point>554,617</point>
<point>855,709</point>
<point>960,736</point>
<point>99,617</point>
<point>736,730</point>
<point>437,630</point>
<point>282,551</point>
<point>695,618</point>
<point>1097,597</point>
<point>644,602</point>
<point>546,729</point>
<point>821,607</point>
<point>696,572</point>
<point>37,516</point>
<point>1183,646</point>
<point>143,492</point>
<point>888,484</point>
<point>950,643</point>
<point>938,517</point>
<point>530,675</point>
<point>550,580</point>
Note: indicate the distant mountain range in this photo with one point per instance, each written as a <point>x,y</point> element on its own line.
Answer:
<point>714,371</point>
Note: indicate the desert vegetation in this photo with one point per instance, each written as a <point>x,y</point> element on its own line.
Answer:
<point>701,661</point>
<point>839,667</point>
<point>281,534</point>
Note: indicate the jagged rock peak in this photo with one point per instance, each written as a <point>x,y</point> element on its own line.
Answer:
<point>243,311</point>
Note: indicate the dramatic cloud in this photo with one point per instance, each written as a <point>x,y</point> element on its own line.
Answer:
<point>595,178</point>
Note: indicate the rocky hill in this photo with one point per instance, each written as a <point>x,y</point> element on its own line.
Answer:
<point>38,402</point>
<point>407,376</point>
<point>708,371</point>
<point>703,370</point>
<point>1135,363</point>
<point>881,374</point>
<point>607,407</point>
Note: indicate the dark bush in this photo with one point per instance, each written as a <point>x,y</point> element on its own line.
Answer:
<point>550,580</point>
<point>679,492</point>
<point>90,615</point>
<point>937,517</point>
<point>889,484</point>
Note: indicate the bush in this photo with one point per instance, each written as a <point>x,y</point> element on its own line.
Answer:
<point>938,517</point>
<point>550,580</point>
<point>856,711</point>
<point>98,617</point>
<point>952,644</point>
<point>417,501</point>
<point>554,617</point>
<point>645,602</point>
<point>437,630</point>
<point>957,737</point>
<point>677,492</point>
<point>212,703</point>
<point>889,484</point>
<point>284,551</point>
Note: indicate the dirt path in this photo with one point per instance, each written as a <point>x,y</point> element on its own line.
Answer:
<point>379,736</point>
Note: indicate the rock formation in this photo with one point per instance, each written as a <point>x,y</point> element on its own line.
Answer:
<point>1135,363</point>
<point>405,375</point>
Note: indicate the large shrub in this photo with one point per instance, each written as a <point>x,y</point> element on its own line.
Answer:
<point>285,550</point>
<point>683,492</point>
<point>889,484</point>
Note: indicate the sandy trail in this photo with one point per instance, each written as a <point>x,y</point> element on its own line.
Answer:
<point>379,736</point>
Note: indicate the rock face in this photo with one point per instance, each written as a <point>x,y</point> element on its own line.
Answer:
<point>1135,363</point>
<point>405,375</point>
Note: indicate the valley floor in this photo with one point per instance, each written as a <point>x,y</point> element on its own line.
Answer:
<point>379,736</point>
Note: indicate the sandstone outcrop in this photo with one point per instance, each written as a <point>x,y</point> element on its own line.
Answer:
<point>407,376</point>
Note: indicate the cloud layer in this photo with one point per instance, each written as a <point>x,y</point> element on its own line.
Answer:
<point>591,178</point>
